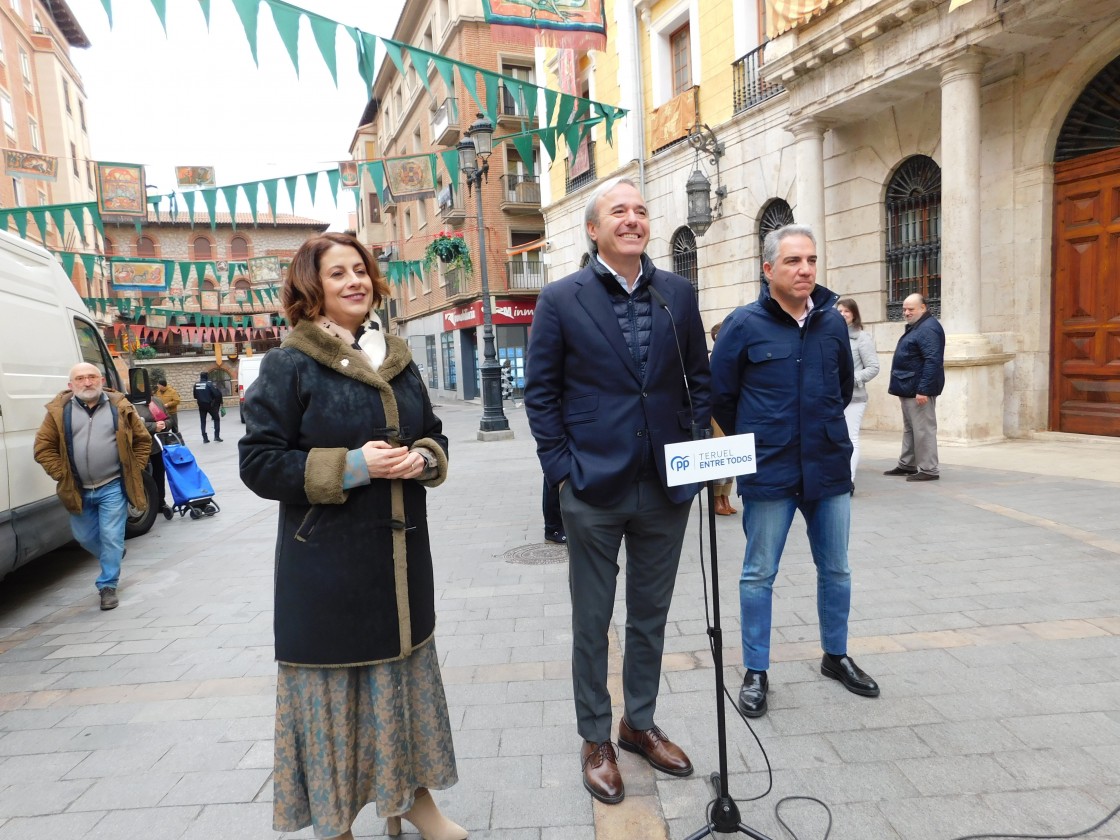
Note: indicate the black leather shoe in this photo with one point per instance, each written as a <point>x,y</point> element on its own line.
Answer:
<point>218,439</point>
<point>924,477</point>
<point>556,537</point>
<point>901,471</point>
<point>842,668</point>
<point>752,696</point>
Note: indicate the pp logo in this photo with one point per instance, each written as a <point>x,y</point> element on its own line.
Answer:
<point>678,463</point>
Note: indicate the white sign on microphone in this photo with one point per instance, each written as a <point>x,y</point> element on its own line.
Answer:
<point>706,460</point>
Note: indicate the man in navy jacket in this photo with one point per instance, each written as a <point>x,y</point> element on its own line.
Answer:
<point>782,369</point>
<point>917,379</point>
<point>612,347</point>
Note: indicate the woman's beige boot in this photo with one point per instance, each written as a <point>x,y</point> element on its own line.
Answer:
<point>426,816</point>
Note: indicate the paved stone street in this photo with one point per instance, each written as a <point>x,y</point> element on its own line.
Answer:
<point>987,605</point>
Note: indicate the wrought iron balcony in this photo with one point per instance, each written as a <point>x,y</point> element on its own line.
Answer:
<point>750,88</point>
<point>525,274</point>
<point>520,193</point>
<point>513,111</point>
<point>445,123</point>
<point>583,178</point>
<point>451,208</point>
<point>454,282</point>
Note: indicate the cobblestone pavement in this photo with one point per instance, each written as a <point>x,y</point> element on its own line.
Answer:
<point>987,605</point>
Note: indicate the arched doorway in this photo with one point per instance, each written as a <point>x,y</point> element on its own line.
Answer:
<point>1085,342</point>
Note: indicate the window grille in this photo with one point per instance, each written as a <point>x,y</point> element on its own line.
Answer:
<point>913,255</point>
<point>776,214</point>
<point>684,257</point>
<point>1093,123</point>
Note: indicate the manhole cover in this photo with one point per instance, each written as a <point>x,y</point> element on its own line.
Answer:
<point>540,554</point>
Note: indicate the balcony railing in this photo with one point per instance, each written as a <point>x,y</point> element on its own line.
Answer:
<point>580,179</point>
<point>525,274</point>
<point>445,122</point>
<point>750,88</point>
<point>521,193</point>
<point>513,105</point>
<point>451,208</point>
<point>454,283</point>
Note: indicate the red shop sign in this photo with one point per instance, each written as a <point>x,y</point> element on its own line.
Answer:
<point>505,311</point>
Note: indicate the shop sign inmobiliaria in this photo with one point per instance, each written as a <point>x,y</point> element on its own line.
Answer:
<point>505,311</point>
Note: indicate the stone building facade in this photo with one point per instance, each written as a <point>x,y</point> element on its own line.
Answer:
<point>972,155</point>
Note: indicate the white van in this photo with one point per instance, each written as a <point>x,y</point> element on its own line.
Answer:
<point>248,368</point>
<point>45,330</point>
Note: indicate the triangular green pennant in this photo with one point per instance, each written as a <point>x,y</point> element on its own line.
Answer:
<point>290,184</point>
<point>394,51</point>
<point>491,81</point>
<point>89,263</point>
<point>205,6</point>
<point>325,30</point>
<point>67,258</point>
<point>161,11</point>
<point>564,112</point>
<point>312,183</point>
<point>529,97</point>
<point>210,198</point>
<point>470,83</point>
<point>421,61</point>
<point>333,177</point>
<point>108,11</point>
<point>367,61</point>
<point>524,145</point>
<point>548,140</point>
<point>40,217</point>
<point>230,194</point>
<point>188,199</point>
<point>286,19</point>
<point>58,215</point>
<point>549,104</point>
<point>376,171</point>
<point>447,71</point>
<point>516,93</point>
<point>270,186</point>
<point>185,272</point>
<point>21,223</point>
<point>451,162</point>
<point>252,193</point>
<point>248,10</point>
<point>609,115</point>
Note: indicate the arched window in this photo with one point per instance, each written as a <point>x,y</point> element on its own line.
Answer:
<point>145,246</point>
<point>914,235</point>
<point>1093,123</point>
<point>241,290</point>
<point>684,256</point>
<point>110,247</point>
<point>775,214</point>
<point>202,248</point>
<point>239,248</point>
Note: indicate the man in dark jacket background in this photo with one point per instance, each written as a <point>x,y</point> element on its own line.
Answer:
<point>209,399</point>
<point>782,369</point>
<point>917,379</point>
<point>604,393</point>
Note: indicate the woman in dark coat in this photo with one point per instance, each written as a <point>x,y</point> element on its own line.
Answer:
<point>341,433</point>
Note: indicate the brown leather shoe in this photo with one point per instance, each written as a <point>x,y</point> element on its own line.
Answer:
<point>723,506</point>
<point>600,772</point>
<point>654,747</point>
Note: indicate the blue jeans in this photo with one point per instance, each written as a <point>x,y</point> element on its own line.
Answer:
<point>767,523</point>
<point>99,529</point>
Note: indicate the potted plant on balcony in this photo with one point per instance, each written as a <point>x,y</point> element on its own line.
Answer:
<point>449,248</point>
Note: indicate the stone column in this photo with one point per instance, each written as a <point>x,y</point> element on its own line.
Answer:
<point>960,193</point>
<point>808,135</point>
<point>972,409</point>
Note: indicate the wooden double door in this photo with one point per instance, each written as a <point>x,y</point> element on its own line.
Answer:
<point>1085,346</point>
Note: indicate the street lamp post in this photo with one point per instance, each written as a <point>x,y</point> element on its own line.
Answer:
<point>474,152</point>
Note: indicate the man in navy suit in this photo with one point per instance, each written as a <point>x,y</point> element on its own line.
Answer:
<point>611,350</point>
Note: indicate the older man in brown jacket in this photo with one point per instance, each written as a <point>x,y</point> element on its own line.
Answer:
<point>94,444</point>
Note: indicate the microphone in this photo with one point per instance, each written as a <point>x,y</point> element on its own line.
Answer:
<point>664,304</point>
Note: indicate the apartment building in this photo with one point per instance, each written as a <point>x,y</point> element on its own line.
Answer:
<point>439,311</point>
<point>970,154</point>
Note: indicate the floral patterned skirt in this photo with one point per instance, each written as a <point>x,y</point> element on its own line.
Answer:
<point>346,737</point>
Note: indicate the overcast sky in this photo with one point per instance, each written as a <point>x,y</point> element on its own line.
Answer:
<point>193,97</point>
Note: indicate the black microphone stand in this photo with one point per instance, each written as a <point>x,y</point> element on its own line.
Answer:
<point>724,815</point>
